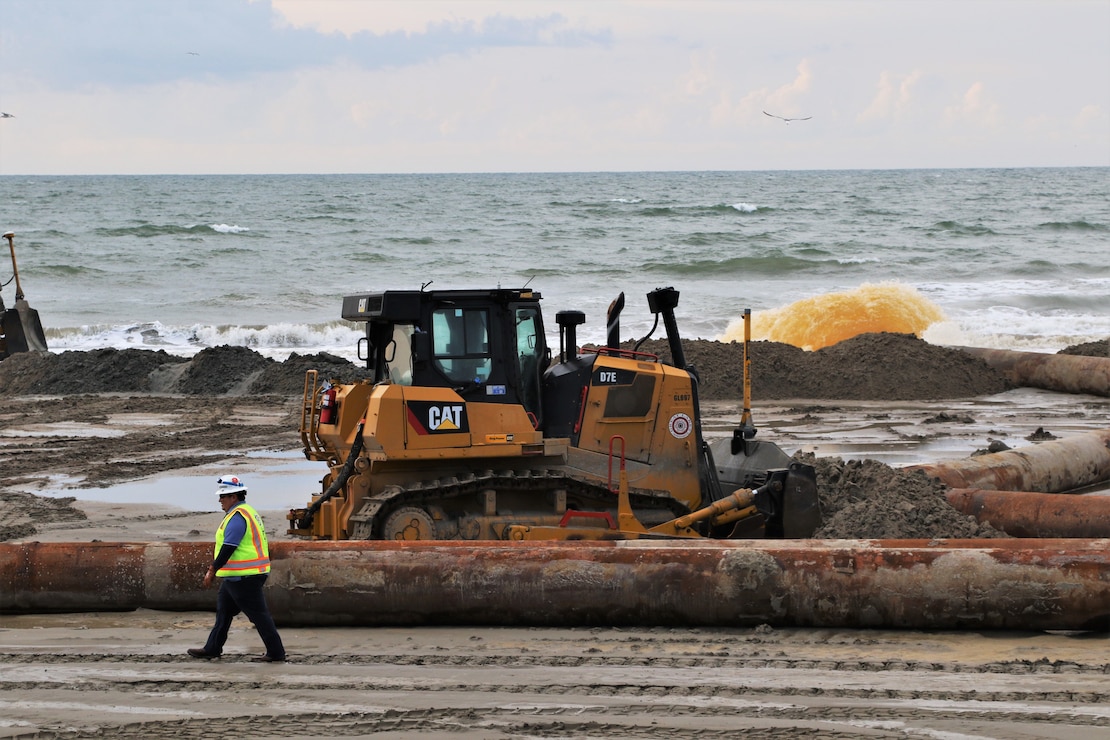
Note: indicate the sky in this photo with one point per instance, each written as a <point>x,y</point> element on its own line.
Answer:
<point>381,86</point>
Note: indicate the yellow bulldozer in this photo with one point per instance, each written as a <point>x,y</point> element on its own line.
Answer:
<point>469,429</point>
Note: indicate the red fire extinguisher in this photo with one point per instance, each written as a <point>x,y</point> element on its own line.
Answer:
<point>328,405</point>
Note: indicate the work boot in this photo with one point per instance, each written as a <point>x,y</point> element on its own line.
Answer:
<point>267,659</point>
<point>201,653</point>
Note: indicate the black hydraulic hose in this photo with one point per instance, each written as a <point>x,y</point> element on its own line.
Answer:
<point>648,335</point>
<point>341,479</point>
<point>711,482</point>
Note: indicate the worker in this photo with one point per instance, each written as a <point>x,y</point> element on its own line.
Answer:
<point>242,561</point>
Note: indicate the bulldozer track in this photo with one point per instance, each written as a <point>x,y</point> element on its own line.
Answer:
<point>437,492</point>
<point>576,661</point>
<point>683,697</point>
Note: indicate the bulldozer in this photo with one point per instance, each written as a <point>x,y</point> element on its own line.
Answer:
<point>468,428</point>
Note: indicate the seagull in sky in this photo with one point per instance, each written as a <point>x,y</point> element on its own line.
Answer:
<point>788,120</point>
<point>6,115</point>
<point>194,53</point>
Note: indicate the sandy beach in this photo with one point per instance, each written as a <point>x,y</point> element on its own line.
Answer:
<point>126,674</point>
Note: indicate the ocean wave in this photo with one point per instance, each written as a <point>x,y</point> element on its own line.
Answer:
<point>955,227</point>
<point>147,231</point>
<point>420,241</point>
<point>697,210</point>
<point>710,238</point>
<point>1005,327</point>
<point>276,340</point>
<point>67,271</point>
<point>1036,268</point>
<point>579,238</point>
<point>768,264</point>
<point>1072,226</point>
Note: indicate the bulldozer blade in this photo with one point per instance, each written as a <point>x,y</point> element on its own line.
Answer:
<point>801,510</point>
<point>748,466</point>
<point>22,329</point>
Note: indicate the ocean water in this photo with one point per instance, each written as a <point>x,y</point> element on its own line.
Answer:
<point>1016,258</point>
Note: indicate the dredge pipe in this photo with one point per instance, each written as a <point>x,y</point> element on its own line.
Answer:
<point>1026,514</point>
<point>1064,373</point>
<point>916,584</point>
<point>1046,467</point>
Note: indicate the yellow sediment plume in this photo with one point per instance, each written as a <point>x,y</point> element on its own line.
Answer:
<point>824,320</point>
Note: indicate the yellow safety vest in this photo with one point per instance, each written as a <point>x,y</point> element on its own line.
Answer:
<point>252,556</point>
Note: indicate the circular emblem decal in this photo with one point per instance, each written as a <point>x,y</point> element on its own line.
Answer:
<point>680,426</point>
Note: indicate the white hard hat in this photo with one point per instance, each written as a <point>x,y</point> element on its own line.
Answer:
<point>230,484</point>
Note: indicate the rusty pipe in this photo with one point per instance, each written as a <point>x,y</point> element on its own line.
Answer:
<point>1046,467</point>
<point>1064,373</point>
<point>1027,514</point>
<point>917,584</point>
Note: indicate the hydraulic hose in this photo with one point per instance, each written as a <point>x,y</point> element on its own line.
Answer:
<point>340,480</point>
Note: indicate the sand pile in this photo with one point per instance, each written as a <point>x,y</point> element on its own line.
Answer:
<point>870,366</point>
<point>866,499</point>
<point>216,371</point>
<point>877,367</point>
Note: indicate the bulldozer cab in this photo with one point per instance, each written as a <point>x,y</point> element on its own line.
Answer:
<point>486,345</point>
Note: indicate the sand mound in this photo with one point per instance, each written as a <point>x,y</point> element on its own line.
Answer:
<point>216,371</point>
<point>868,367</point>
<point>877,367</point>
<point>866,499</point>
<point>1100,348</point>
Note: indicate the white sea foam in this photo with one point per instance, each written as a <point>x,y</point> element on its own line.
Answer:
<point>277,341</point>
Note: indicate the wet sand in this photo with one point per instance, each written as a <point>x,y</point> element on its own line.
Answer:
<point>126,675</point>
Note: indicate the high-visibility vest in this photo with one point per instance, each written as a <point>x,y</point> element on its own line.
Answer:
<point>252,556</point>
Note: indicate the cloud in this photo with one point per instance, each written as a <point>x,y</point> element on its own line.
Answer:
<point>103,86</point>
<point>783,100</point>
<point>973,108</point>
<point>138,42</point>
<point>892,97</point>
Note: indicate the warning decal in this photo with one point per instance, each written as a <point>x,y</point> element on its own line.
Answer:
<point>680,426</point>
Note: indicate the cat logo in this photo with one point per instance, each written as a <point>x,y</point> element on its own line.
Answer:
<point>445,418</point>
<point>431,417</point>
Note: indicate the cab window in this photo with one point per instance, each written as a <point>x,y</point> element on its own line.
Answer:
<point>398,354</point>
<point>530,351</point>
<point>460,344</point>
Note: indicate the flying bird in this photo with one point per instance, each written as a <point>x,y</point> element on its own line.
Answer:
<point>194,53</point>
<point>788,120</point>
<point>6,115</point>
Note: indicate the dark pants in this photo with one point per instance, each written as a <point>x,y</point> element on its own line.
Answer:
<point>244,595</point>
